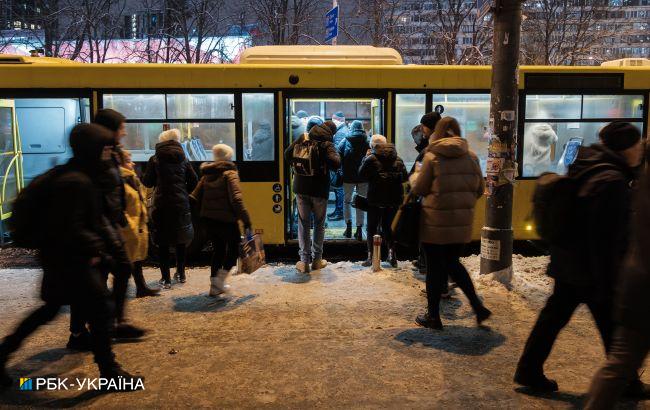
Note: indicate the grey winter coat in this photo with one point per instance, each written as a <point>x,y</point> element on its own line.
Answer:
<point>262,149</point>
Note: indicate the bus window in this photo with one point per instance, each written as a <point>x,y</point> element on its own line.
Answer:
<point>472,112</point>
<point>259,127</point>
<point>209,106</point>
<point>409,108</point>
<point>613,106</point>
<point>137,106</point>
<point>552,106</point>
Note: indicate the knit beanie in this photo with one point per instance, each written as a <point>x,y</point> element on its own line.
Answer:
<point>88,141</point>
<point>619,135</point>
<point>222,152</point>
<point>376,140</point>
<point>313,121</point>
<point>302,114</point>
<point>110,119</point>
<point>430,120</point>
<point>331,126</point>
<point>356,126</point>
<point>339,116</point>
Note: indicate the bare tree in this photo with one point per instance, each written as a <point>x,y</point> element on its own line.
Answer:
<point>102,24</point>
<point>379,23</point>
<point>286,21</point>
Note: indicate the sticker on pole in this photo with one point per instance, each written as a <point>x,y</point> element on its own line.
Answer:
<point>490,249</point>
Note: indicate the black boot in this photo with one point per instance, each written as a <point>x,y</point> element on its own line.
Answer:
<point>166,280</point>
<point>358,235</point>
<point>482,314</point>
<point>348,230</point>
<point>536,382</point>
<point>80,342</point>
<point>429,322</point>
<point>124,330</point>
<point>142,290</point>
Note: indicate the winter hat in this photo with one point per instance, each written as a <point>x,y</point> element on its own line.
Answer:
<point>619,135</point>
<point>222,152</point>
<point>356,126</point>
<point>339,116</point>
<point>430,120</point>
<point>376,140</point>
<point>302,114</point>
<point>170,135</point>
<point>331,126</point>
<point>313,120</point>
<point>264,124</point>
<point>88,141</point>
<point>110,119</point>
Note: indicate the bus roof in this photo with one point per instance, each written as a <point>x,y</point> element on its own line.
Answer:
<point>321,55</point>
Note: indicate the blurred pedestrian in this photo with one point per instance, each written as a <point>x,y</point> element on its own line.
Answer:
<point>262,149</point>
<point>72,248</point>
<point>173,178</point>
<point>385,173</point>
<point>222,207</point>
<point>342,132</point>
<point>352,151</point>
<point>450,182</point>
<point>588,273</point>
<point>311,184</point>
<point>136,232</point>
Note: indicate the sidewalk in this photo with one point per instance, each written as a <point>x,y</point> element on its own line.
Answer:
<point>343,338</point>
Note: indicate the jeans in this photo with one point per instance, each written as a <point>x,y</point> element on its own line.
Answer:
<point>380,217</point>
<point>348,189</point>
<point>338,195</point>
<point>556,314</point>
<point>225,237</point>
<point>627,352</point>
<point>311,250</point>
<point>444,261</point>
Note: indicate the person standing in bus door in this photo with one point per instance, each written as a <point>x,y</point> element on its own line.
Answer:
<point>222,207</point>
<point>136,232</point>
<point>421,134</point>
<point>312,193</point>
<point>352,151</point>
<point>342,131</point>
<point>72,249</point>
<point>385,173</point>
<point>172,176</point>
<point>450,181</point>
<point>262,149</point>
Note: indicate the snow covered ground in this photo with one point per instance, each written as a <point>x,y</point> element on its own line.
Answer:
<point>343,337</point>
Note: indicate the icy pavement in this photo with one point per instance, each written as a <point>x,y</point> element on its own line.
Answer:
<point>343,337</point>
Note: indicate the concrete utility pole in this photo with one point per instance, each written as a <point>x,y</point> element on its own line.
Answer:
<point>496,237</point>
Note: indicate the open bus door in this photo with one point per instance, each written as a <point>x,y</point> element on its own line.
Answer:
<point>11,179</point>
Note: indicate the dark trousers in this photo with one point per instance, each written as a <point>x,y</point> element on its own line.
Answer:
<point>164,259</point>
<point>225,237</point>
<point>556,314</point>
<point>380,218</point>
<point>138,276</point>
<point>443,261</point>
<point>627,352</point>
<point>121,271</point>
<point>92,305</point>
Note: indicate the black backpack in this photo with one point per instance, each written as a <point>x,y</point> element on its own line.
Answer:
<point>307,159</point>
<point>555,205</point>
<point>28,214</point>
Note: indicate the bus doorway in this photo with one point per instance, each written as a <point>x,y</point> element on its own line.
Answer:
<point>369,112</point>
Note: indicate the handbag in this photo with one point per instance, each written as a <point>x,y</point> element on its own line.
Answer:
<point>251,254</point>
<point>406,224</point>
<point>360,202</point>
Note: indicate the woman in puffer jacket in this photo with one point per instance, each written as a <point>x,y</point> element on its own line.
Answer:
<point>136,231</point>
<point>222,207</point>
<point>450,181</point>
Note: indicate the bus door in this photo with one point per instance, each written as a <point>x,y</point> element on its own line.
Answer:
<point>10,161</point>
<point>345,108</point>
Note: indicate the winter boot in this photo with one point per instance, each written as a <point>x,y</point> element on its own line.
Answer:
<point>214,288</point>
<point>220,283</point>
<point>536,382</point>
<point>124,330</point>
<point>392,258</point>
<point>348,230</point>
<point>367,262</point>
<point>80,342</point>
<point>142,290</point>
<point>427,321</point>
<point>166,280</point>
<point>318,264</point>
<point>336,216</point>
<point>358,235</point>
<point>482,314</point>
<point>303,267</point>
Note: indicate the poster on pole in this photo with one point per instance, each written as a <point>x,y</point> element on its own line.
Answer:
<point>332,24</point>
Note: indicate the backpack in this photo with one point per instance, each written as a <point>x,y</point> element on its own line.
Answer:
<point>28,213</point>
<point>306,159</point>
<point>555,205</point>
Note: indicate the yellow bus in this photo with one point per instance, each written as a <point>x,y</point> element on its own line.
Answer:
<point>41,99</point>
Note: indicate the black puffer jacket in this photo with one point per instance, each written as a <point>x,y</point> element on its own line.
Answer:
<point>352,150</point>
<point>318,185</point>
<point>385,173</point>
<point>112,186</point>
<point>604,203</point>
<point>173,178</point>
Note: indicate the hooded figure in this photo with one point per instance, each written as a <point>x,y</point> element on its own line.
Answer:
<point>262,149</point>
<point>352,150</point>
<point>297,127</point>
<point>537,149</point>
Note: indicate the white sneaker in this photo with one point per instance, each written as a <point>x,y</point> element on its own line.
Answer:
<point>318,264</point>
<point>302,267</point>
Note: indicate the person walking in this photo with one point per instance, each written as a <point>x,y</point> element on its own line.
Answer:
<point>136,232</point>
<point>312,189</point>
<point>450,182</point>
<point>385,173</point>
<point>588,273</point>
<point>342,132</point>
<point>72,249</point>
<point>173,178</point>
<point>222,207</point>
<point>352,151</point>
<point>631,341</point>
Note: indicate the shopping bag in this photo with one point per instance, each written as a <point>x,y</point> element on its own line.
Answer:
<point>251,254</point>
<point>406,225</point>
<point>360,202</point>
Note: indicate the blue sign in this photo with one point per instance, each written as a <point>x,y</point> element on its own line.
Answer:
<point>332,24</point>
